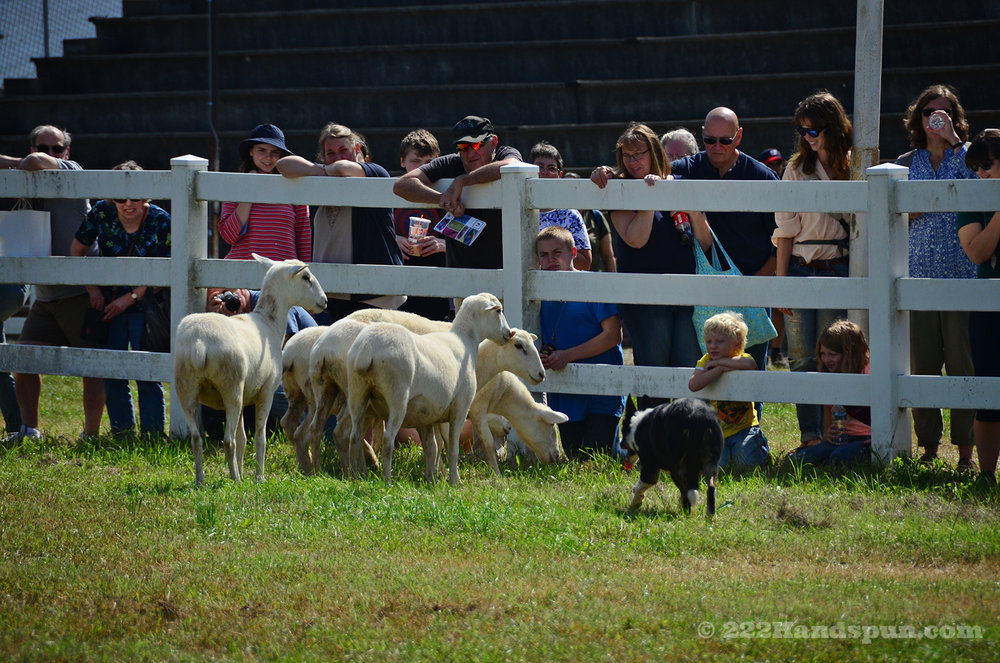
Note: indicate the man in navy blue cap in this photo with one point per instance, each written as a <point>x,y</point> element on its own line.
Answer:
<point>477,161</point>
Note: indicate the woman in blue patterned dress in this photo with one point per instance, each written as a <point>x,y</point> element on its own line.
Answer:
<point>939,339</point>
<point>126,227</point>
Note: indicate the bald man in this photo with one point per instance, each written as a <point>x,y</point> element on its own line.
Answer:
<point>746,236</point>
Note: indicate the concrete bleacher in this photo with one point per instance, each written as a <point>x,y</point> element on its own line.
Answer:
<point>570,71</point>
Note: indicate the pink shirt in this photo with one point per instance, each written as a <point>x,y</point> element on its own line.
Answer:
<point>278,231</point>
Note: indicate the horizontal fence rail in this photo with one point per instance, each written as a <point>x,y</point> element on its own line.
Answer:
<point>886,293</point>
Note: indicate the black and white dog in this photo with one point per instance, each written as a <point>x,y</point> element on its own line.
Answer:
<point>684,438</point>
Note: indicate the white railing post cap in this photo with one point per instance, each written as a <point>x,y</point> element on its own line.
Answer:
<point>889,169</point>
<point>529,169</point>
<point>189,161</point>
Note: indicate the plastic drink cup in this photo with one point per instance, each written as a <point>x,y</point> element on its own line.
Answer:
<point>418,230</point>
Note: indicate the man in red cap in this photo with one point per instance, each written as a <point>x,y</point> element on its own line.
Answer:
<point>477,161</point>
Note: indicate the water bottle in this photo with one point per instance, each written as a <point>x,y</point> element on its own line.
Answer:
<point>839,414</point>
<point>682,222</point>
<point>936,122</point>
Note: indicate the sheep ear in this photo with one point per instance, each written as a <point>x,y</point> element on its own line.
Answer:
<point>550,416</point>
<point>262,259</point>
<point>299,269</point>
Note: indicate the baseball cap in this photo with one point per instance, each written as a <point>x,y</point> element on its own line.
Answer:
<point>472,129</point>
<point>769,155</point>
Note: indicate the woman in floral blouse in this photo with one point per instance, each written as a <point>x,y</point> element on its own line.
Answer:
<point>123,228</point>
<point>939,339</point>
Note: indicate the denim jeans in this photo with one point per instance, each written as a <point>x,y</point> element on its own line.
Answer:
<point>802,330</point>
<point>661,335</point>
<point>745,449</point>
<point>856,451</point>
<point>123,331</point>
<point>12,298</point>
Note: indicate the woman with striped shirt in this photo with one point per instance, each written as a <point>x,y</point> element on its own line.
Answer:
<point>279,231</point>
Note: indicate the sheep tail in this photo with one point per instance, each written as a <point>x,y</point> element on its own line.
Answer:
<point>364,358</point>
<point>198,354</point>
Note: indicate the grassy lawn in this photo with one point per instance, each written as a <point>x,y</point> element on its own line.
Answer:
<point>108,553</point>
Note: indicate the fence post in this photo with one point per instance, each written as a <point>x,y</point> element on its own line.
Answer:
<point>520,226</point>
<point>187,246</point>
<point>889,338</point>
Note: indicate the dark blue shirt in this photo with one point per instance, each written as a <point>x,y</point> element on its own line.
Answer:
<point>663,252</point>
<point>746,236</point>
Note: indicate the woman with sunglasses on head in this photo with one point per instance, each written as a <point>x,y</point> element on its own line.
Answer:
<point>126,227</point>
<point>279,231</point>
<point>939,340</point>
<point>813,243</point>
<point>649,242</point>
<point>979,233</point>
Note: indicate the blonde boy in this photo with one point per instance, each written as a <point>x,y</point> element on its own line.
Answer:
<point>725,336</point>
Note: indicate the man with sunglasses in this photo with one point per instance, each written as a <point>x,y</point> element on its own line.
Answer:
<point>56,316</point>
<point>477,161</point>
<point>746,236</point>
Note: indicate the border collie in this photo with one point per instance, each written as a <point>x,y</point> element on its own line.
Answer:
<point>684,438</point>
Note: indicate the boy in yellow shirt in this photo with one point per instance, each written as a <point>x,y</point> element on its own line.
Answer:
<point>725,336</point>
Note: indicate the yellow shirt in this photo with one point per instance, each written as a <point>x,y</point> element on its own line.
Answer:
<point>733,415</point>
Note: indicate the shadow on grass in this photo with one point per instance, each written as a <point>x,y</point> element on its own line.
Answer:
<point>902,474</point>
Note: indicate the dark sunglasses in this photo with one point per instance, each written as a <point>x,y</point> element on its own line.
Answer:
<point>711,140</point>
<point>812,133</point>
<point>930,111</point>
<point>122,201</point>
<point>462,147</point>
<point>51,149</point>
<point>982,167</point>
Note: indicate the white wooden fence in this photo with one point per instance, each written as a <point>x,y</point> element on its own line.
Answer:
<point>886,293</point>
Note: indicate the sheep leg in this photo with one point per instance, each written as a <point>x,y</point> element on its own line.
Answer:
<point>191,412</point>
<point>441,431</point>
<point>453,435</point>
<point>431,455</point>
<point>236,442</point>
<point>260,437</point>
<point>392,426</point>
<point>344,444</point>
<point>290,423</point>
<point>309,440</point>
<point>355,410</point>
<point>489,446</point>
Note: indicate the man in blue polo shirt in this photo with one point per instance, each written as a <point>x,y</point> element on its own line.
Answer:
<point>746,236</point>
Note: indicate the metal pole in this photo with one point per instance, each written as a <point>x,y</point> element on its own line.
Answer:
<point>45,25</point>
<point>867,106</point>
<point>212,117</point>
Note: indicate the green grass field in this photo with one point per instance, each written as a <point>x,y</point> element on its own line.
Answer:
<point>108,553</point>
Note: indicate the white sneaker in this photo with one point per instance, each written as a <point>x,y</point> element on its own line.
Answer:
<point>28,432</point>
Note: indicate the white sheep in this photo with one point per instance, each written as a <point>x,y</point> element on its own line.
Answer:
<point>231,362</point>
<point>534,423</point>
<point>327,367</point>
<point>328,373</point>
<point>295,381</point>
<point>420,380</point>
<point>519,356</point>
